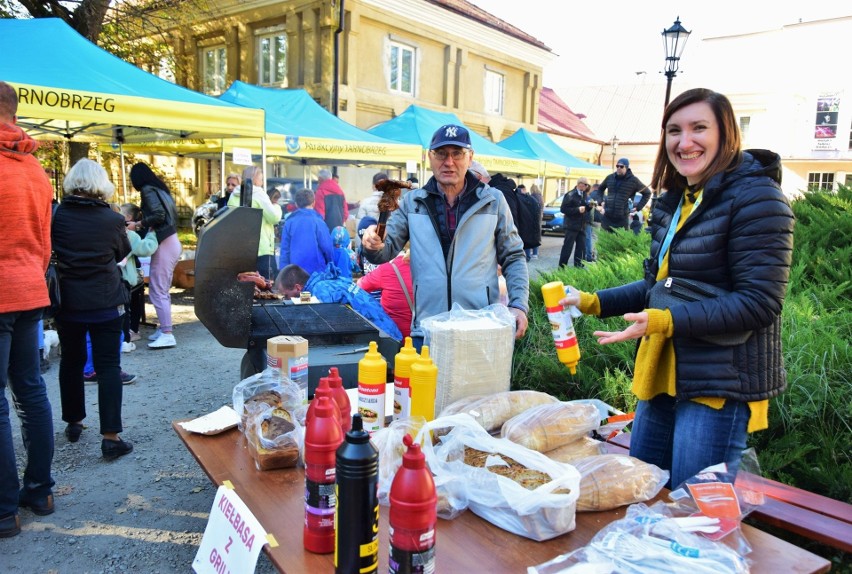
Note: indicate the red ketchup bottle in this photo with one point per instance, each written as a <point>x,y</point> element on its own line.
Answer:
<point>413,515</point>
<point>341,398</point>
<point>322,437</point>
<point>322,390</point>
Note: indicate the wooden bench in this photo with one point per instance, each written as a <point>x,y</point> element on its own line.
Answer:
<point>807,514</point>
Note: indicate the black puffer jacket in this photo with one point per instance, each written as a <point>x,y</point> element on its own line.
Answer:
<point>619,192</point>
<point>739,238</point>
<point>89,239</point>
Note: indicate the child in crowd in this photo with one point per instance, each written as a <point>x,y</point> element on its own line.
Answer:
<point>344,257</point>
<point>132,274</point>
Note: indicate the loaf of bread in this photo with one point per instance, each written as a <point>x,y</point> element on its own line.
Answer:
<point>582,448</point>
<point>273,439</point>
<point>612,480</point>
<point>494,410</point>
<point>549,426</point>
<point>460,405</point>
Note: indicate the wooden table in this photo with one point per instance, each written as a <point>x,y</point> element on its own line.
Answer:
<point>466,544</point>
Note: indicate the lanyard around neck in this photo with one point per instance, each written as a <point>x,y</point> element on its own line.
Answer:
<point>667,242</point>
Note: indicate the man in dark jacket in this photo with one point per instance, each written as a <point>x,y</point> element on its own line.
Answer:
<point>620,188</point>
<point>574,208</point>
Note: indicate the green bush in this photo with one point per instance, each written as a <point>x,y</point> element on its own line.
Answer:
<point>808,441</point>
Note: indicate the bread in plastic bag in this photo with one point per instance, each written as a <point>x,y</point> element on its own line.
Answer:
<point>646,540</point>
<point>581,448</point>
<point>549,426</point>
<point>267,388</point>
<point>612,480</point>
<point>388,441</point>
<point>495,409</point>
<point>472,350</point>
<point>275,438</point>
<point>540,514</point>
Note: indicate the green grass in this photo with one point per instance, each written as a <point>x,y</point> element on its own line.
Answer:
<point>809,440</point>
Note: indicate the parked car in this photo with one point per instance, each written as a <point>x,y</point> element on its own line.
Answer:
<point>553,221</point>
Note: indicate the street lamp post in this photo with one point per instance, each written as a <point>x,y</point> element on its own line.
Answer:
<point>613,144</point>
<point>674,40</point>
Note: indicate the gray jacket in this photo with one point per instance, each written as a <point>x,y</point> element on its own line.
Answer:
<point>485,237</point>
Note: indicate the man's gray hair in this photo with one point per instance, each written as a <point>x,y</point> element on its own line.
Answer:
<point>88,178</point>
<point>324,174</point>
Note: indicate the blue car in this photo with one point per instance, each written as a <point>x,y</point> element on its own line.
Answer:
<point>553,221</point>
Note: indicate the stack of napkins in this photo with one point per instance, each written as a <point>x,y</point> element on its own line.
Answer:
<point>213,423</point>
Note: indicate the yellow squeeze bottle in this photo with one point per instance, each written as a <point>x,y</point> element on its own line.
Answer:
<point>401,376</point>
<point>564,336</point>
<point>372,374</point>
<point>424,384</point>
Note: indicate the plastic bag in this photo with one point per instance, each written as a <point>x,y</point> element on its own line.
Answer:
<point>542,513</point>
<point>274,436</point>
<point>493,410</point>
<point>719,493</point>
<point>582,448</point>
<point>472,350</point>
<point>549,426</point>
<point>612,480</point>
<point>646,541</point>
<point>268,387</point>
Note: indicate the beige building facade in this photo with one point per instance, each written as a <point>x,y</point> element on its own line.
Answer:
<point>445,55</point>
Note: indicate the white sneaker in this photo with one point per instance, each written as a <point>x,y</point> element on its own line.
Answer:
<point>155,335</point>
<point>166,341</point>
<point>127,347</point>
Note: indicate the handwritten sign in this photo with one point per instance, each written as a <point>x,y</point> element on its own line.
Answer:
<point>242,156</point>
<point>233,538</point>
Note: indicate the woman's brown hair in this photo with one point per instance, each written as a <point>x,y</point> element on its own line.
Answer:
<point>729,155</point>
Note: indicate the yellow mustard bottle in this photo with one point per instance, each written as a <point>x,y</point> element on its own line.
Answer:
<point>372,375</point>
<point>564,336</point>
<point>401,375</point>
<point>424,384</point>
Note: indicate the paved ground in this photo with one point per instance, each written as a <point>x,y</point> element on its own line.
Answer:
<point>145,512</point>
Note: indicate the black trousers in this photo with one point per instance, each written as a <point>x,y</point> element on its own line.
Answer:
<point>574,239</point>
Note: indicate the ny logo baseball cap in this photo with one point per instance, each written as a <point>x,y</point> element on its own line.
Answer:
<point>451,135</point>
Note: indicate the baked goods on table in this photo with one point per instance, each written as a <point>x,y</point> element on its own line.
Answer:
<point>549,426</point>
<point>493,410</point>
<point>581,448</point>
<point>612,480</point>
<point>273,438</point>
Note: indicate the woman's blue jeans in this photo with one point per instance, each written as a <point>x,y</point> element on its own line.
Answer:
<point>685,437</point>
<point>19,368</point>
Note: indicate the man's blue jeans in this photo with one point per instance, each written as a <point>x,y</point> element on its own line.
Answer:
<point>19,368</point>
<point>685,437</point>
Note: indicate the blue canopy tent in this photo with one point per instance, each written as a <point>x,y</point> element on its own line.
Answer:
<point>416,125</point>
<point>542,146</point>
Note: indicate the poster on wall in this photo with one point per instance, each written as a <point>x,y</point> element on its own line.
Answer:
<point>825,123</point>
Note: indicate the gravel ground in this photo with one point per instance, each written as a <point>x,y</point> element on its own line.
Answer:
<point>144,512</point>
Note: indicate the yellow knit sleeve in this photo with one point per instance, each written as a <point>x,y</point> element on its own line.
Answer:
<point>660,321</point>
<point>589,304</point>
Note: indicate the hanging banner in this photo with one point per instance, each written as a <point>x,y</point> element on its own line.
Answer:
<point>825,125</point>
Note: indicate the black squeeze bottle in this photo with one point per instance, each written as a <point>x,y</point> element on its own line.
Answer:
<point>356,536</point>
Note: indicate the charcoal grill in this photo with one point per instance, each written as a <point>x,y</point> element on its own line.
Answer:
<point>337,335</point>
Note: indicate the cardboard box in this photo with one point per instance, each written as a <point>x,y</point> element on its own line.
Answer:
<point>289,354</point>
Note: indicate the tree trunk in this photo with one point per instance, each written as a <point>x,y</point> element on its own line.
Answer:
<point>77,151</point>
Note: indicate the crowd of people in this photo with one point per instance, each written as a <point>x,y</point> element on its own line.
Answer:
<point>462,238</point>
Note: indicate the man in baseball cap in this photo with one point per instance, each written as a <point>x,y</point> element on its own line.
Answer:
<point>460,229</point>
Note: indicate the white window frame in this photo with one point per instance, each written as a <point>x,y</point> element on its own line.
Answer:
<point>820,180</point>
<point>220,74</point>
<point>399,51</point>
<point>270,35</point>
<point>495,89</point>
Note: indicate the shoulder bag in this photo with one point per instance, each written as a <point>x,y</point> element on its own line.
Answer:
<point>673,291</point>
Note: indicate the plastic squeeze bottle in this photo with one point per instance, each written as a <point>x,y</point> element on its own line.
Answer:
<point>323,390</point>
<point>341,397</point>
<point>424,383</point>
<point>564,336</point>
<point>413,514</point>
<point>356,542</point>
<point>401,372</point>
<point>372,377</point>
<point>323,436</point>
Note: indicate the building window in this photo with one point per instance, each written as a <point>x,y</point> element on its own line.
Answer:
<point>403,70</point>
<point>272,59</point>
<point>213,70</point>
<point>494,87</point>
<point>745,123</point>
<point>820,180</point>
